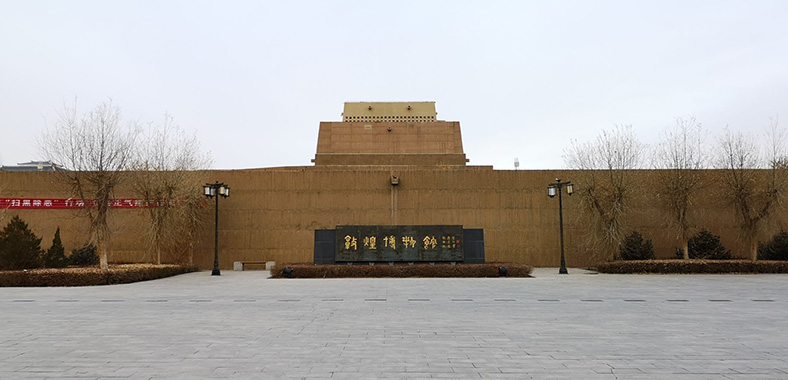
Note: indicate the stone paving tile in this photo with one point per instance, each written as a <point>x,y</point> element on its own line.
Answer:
<point>244,326</point>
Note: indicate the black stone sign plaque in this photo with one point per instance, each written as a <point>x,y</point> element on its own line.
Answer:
<point>399,243</point>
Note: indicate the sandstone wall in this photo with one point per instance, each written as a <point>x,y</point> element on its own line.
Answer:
<point>272,213</point>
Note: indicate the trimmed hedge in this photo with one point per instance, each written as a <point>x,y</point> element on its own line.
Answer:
<point>306,270</point>
<point>117,274</point>
<point>693,266</point>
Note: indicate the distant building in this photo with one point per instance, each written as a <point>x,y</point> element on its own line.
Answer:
<point>33,166</point>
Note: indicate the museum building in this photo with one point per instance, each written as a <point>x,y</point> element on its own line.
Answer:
<point>385,164</point>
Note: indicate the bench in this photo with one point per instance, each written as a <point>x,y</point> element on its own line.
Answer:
<point>239,265</point>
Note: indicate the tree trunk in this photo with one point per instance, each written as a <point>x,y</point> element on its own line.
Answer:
<point>685,249</point>
<point>754,250</point>
<point>611,253</point>
<point>103,263</point>
<point>101,248</point>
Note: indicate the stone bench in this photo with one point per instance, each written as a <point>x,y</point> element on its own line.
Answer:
<point>239,265</point>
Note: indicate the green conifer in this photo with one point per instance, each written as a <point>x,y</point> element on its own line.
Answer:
<point>20,248</point>
<point>55,256</point>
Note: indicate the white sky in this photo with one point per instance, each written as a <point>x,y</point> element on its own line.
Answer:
<point>253,79</point>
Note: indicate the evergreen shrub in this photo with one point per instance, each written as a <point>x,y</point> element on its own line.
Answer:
<point>775,249</point>
<point>84,257</point>
<point>707,246</point>
<point>634,247</point>
<point>20,248</point>
<point>55,256</point>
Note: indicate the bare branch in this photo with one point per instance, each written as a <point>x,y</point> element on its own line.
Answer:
<point>679,159</point>
<point>97,150</point>
<point>753,184</point>
<point>603,184</point>
<point>165,177</point>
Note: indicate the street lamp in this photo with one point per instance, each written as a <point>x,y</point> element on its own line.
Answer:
<point>212,190</point>
<point>551,190</point>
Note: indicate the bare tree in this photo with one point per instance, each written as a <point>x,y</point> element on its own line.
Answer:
<point>603,184</point>
<point>166,180</point>
<point>753,183</point>
<point>679,160</point>
<point>96,149</point>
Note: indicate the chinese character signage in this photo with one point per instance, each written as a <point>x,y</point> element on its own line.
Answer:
<point>70,203</point>
<point>399,243</point>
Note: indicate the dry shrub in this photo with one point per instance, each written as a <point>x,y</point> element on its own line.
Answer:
<point>693,266</point>
<point>117,274</point>
<point>308,270</point>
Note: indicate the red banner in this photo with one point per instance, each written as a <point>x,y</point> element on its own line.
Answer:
<point>59,204</point>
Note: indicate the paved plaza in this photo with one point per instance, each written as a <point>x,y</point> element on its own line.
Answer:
<point>244,326</point>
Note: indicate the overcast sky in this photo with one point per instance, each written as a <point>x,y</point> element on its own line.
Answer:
<point>253,79</point>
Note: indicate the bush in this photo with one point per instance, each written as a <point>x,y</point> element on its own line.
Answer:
<point>117,274</point>
<point>635,248</point>
<point>306,270</point>
<point>707,246</point>
<point>20,248</point>
<point>55,256</point>
<point>693,266</point>
<point>84,257</point>
<point>775,249</point>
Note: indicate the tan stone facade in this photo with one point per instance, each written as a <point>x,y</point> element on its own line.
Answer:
<point>390,143</point>
<point>273,212</point>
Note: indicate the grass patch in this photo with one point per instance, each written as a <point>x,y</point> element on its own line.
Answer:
<point>693,266</point>
<point>307,270</point>
<point>90,276</point>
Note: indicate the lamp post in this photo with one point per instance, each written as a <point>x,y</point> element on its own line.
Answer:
<point>551,190</point>
<point>214,190</point>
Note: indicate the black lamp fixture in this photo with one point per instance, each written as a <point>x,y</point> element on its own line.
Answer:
<point>552,189</point>
<point>214,190</point>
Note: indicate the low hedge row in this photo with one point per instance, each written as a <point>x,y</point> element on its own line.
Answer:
<point>384,270</point>
<point>117,274</point>
<point>693,266</point>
